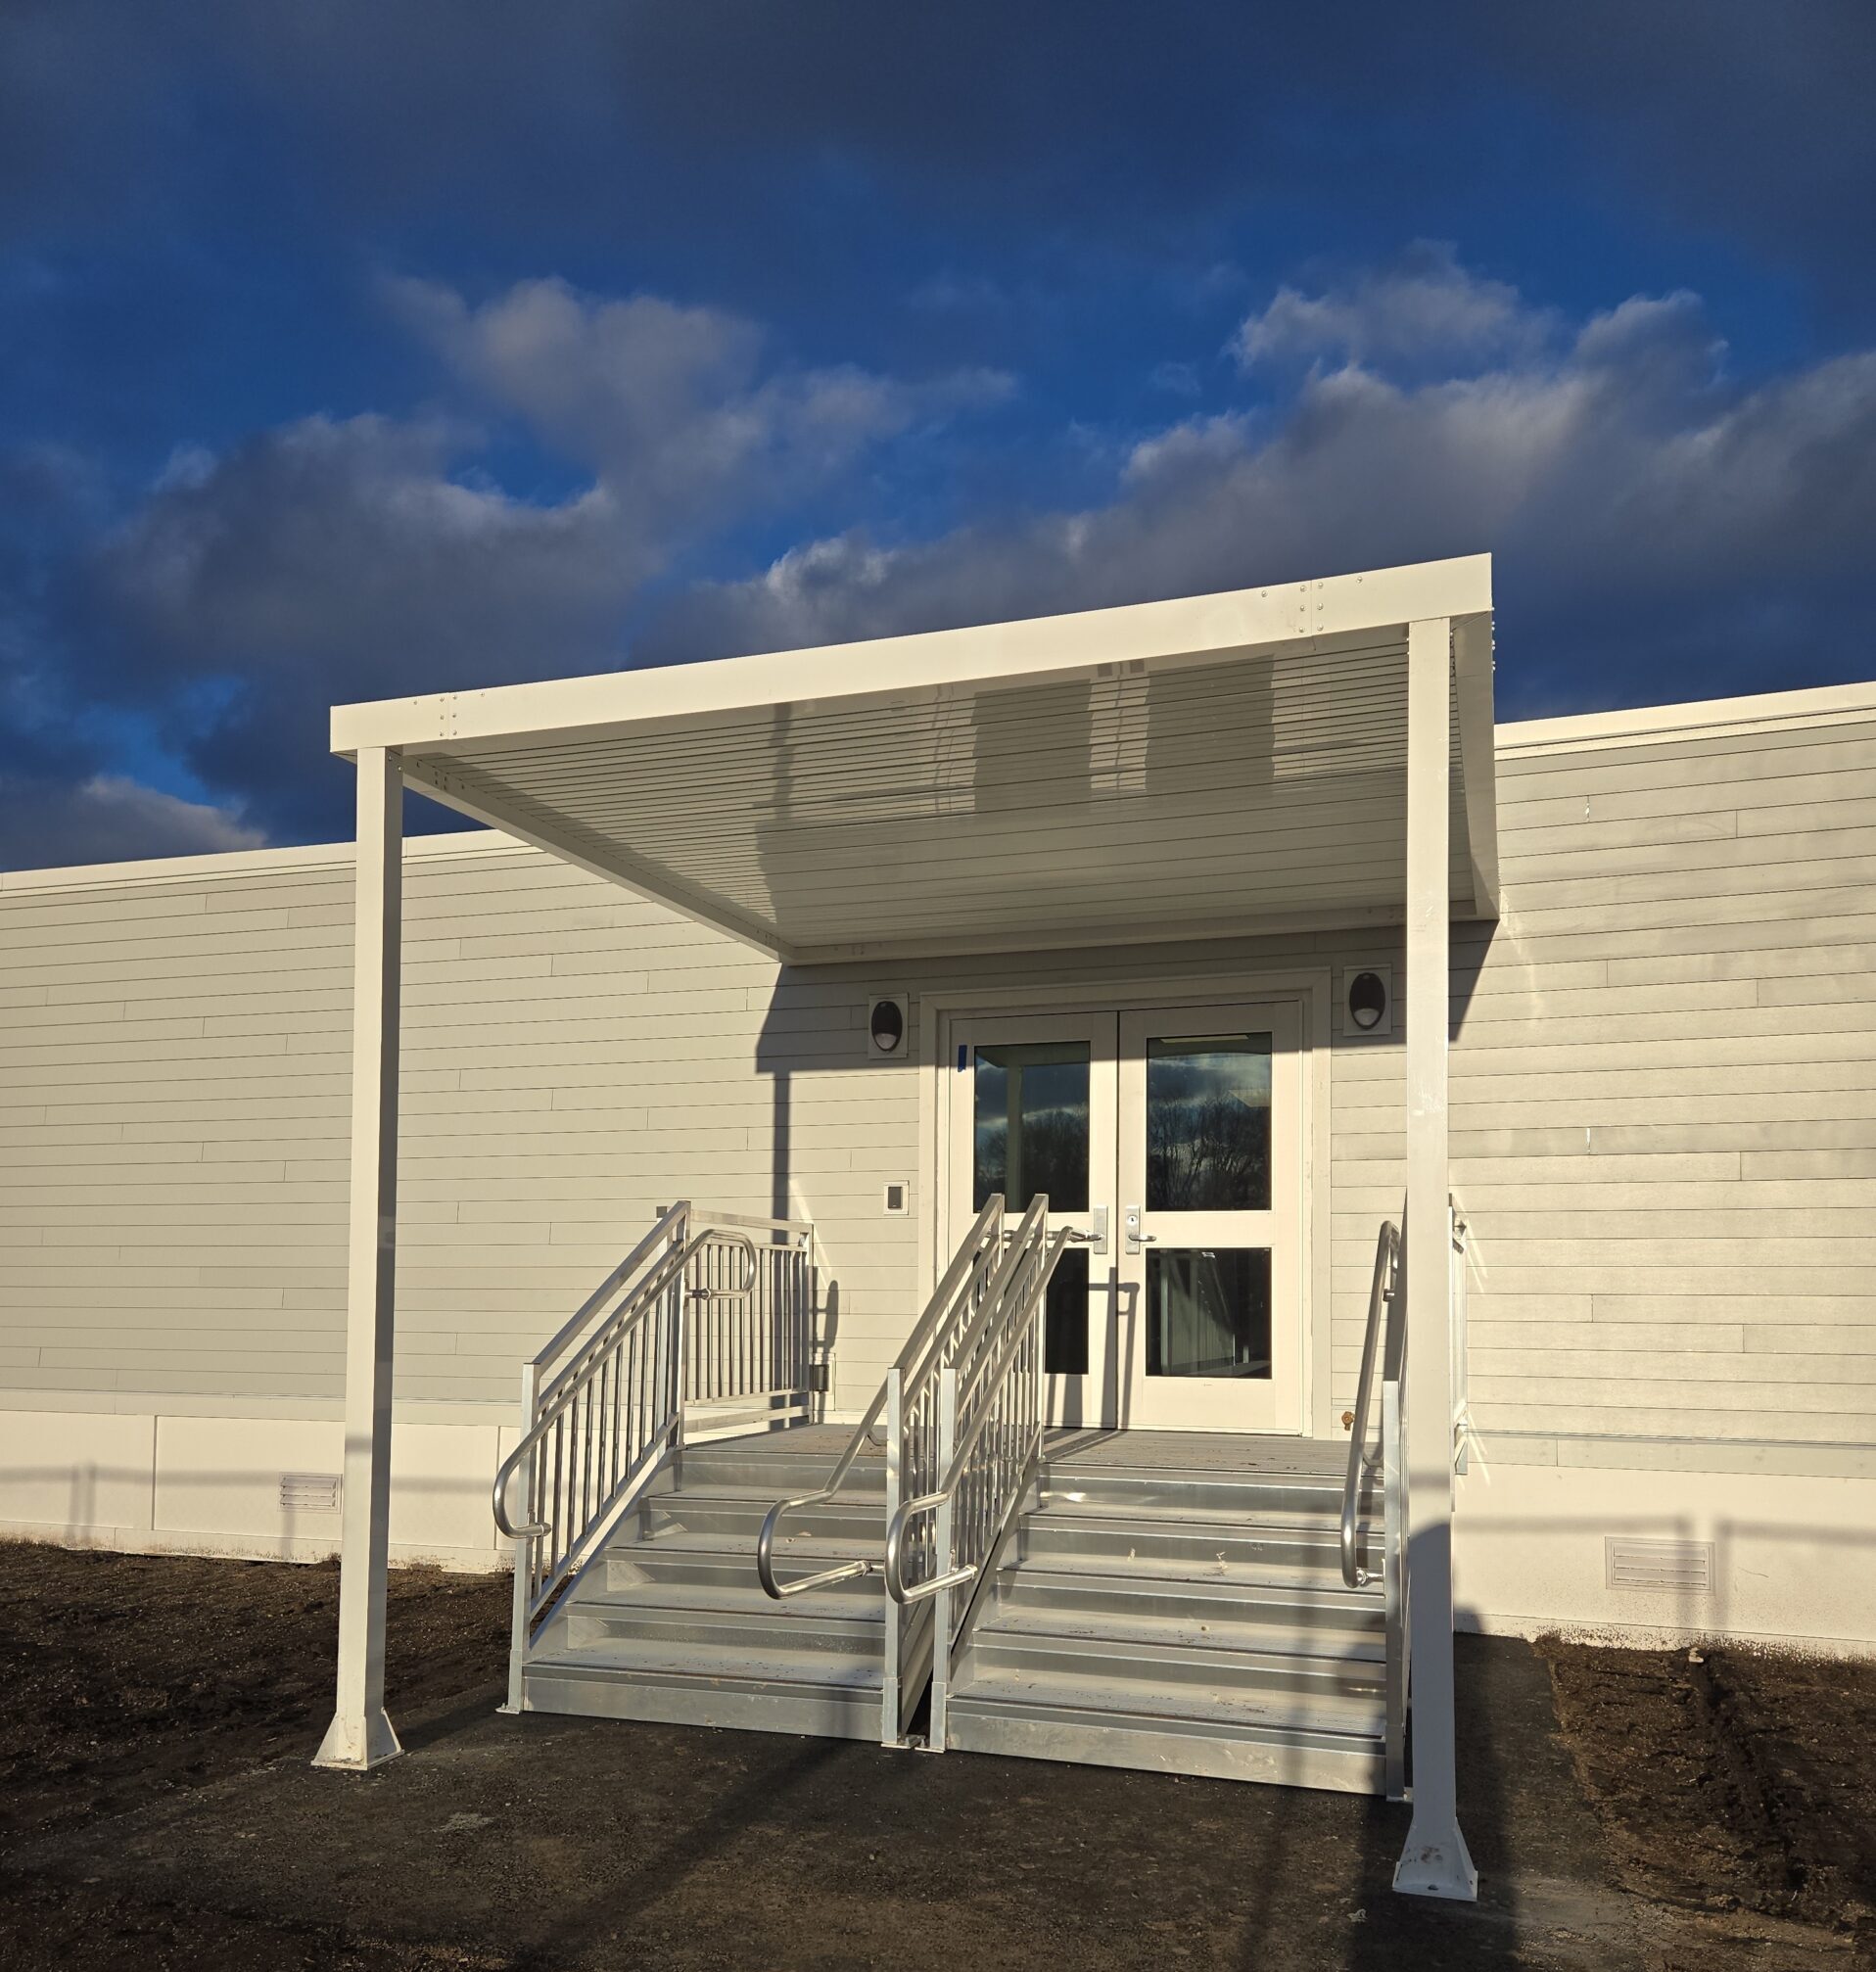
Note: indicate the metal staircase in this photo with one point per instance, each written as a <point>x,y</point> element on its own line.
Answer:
<point>1187,1617</point>
<point>1192,1602</point>
<point>672,1624</point>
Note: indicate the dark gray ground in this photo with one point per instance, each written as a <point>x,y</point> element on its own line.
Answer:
<point>544,1843</point>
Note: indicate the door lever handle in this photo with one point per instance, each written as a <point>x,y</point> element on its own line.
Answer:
<point>1136,1238</point>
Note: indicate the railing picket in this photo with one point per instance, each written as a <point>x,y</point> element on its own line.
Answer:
<point>589,1430</point>
<point>972,1434</point>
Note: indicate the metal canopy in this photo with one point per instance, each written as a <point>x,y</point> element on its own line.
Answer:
<point>1223,764</point>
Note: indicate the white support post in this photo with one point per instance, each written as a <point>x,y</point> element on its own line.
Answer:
<point>522,1610</point>
<point>360,1735</point>
<point>1435,1861</point>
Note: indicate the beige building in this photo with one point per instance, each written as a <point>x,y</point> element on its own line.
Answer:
<point>1111,907</point>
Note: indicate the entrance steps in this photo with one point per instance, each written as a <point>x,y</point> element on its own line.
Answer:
<point>1180,1618</point>
<point>1167,1601</point>
<point>671,1623</point>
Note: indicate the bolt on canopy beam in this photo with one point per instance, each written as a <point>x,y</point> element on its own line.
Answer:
<point>1435,1861</point>
<point>360,1735</point>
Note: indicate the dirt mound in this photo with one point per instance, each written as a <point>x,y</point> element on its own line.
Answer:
<point>1735,1784</point>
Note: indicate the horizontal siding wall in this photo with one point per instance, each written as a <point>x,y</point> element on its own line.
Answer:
<point>1664,1108</point>
<point>176,1071</point>
<point>1664,1093</point>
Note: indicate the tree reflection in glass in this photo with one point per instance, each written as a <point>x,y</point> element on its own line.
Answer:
<point>1208,1123</point>
<point>1031,1123</point>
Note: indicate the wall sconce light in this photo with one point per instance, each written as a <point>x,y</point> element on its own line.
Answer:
<point>1367,1002</point>
<point>886,1021</point>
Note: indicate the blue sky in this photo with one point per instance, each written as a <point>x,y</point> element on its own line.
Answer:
<point>356,349</point>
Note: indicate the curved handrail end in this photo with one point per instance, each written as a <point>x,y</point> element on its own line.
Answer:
<point>1381,1294</point>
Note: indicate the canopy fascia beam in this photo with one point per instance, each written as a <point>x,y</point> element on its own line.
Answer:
<point>616,865</point>
<point>900,669</point>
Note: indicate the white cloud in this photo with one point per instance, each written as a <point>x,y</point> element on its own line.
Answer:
<point>673,407</point>
<point>1624,480</point>
<point>110,818</point>
<point>329,556</point>
<point>1424,308</point>
<point>1178,379</point>
<point>1611,464</point>
<point>342,558</point>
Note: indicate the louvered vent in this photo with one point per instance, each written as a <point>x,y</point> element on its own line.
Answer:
<point>308,1492</point>
<point>1667,1567</point>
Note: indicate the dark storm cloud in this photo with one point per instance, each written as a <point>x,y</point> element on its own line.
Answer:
<point>697,311</point>
<point>1633,493</point>
<point>1107,114</point>
<point>338,559</point>
<point>1751,119</point>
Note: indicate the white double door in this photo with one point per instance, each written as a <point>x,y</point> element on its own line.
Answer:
<point>1171,1138</point>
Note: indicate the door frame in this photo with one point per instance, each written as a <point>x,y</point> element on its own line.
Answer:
<point>1308,986</point>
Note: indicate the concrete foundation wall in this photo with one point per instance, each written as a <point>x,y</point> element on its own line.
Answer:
<point>264,1487</point>
<point>1789,1553</point>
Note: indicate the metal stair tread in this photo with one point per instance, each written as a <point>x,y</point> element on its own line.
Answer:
<point>1136,1700</point>
<point>1115,1478</point>
<point>788,1466</point>
<point>664,1595</point>
<point>1161,1666</point>
<point>1297,1528</point>
<point>1170,1516</point>
<point>715,1494</point>
<point>1042,1627</point>
<point>716,1663</point>
<point>1163,1478</point>
<point>802,1546</point>
<point>1109,1572</point>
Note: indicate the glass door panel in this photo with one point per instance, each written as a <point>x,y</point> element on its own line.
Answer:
<point>1208,1123</point>
<point>1029,1123</point>
<point>1208,1312</point>
<point>1210,1194</point>
<point>1032,1112</point>
<point>1066,1339</point>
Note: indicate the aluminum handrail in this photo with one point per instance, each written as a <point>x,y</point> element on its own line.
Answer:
<point>555,1398</point>
<point>977,1246</point>
<point>1016,1248</point>
<point>563,1339</point>
<point>1014,1324</point>
<point>1381,1294</point>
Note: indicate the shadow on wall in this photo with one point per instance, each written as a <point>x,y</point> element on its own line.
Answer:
<point>1472,950</point>
<point>1679,1608</point>
<point>222,1504</point>
<point>814,1024</point>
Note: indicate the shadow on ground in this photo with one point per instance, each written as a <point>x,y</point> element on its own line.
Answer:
<point>548,1842</point>
<point>1696,1812</point>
